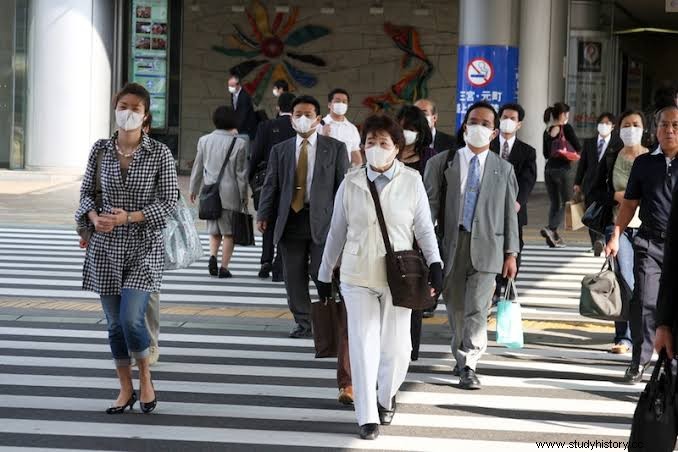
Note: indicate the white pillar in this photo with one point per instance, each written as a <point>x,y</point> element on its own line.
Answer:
<point>543,38</point>
<point>69,81</point>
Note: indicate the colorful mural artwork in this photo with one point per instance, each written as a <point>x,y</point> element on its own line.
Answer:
<point>415,67</point>
<point>266,50</point>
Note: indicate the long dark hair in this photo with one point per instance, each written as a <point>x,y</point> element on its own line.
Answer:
<point>555,111</point>
<point>412,118</point>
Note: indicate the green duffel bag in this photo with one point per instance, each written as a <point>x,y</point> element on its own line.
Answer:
<point>605,295</point>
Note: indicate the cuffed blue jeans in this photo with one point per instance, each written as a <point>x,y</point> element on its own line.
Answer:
<point>625,263</point>
<point>127,332</point>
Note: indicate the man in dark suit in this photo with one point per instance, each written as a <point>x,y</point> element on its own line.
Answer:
<point>592,153</point>
<point>523,157</point>
<point>242,104</point>
<point>303,175</point>
<point>441,140</point>
<point>269,133</point>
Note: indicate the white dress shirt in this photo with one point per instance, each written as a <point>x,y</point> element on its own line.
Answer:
<point>502,140</point>
<point>343,131</point>
<point>310,152</point>
<point>465,162</point>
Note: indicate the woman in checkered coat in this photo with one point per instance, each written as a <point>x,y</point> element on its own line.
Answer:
<point>137,181</point>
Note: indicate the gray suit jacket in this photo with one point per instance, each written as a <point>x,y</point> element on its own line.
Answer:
<point>331,164</point>
<point>495,224</point>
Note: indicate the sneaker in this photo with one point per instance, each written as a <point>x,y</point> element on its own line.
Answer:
<point>634,373</point>
<point>549,236</point>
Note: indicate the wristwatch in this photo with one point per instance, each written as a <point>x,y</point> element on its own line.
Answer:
<point>129,217</point>
<point>512,254</point>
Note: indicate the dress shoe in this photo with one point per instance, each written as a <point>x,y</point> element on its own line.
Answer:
<point>620,349</point>
<point>346,395</point>
<point>598,248</point>
<point>121,409</point>
<point>154,356</point>
<point>634,374</point>
<point>468,379</point>
<point>549,236</point>
<point>369,431</point>
<point>386,416</point>
<point>212,266</point>
<point>455,371</point>
<point>265,270</point>
<point>224,273</point>
<point>299,332</point>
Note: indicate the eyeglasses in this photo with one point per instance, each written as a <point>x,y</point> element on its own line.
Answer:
<point>668,125</point>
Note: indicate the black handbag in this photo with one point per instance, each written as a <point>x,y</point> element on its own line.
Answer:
<point>654,421</point>
<point>258,182</point>
<point>209,206</point>
<point>243,229</point>
<point>596,217</point>
<point>406,271</point>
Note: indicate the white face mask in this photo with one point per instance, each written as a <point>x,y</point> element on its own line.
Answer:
<point>275,92</point>
<point>231,89</point>
<point>302,124</point>
<point>410,136</point>
<point>431,123</point>
<point>339,108</point>
<point>631,136</point>
<point>128,120</point>
<point>477,136</point>
<point>378,157</point>
<point>507,125</point>
<point>604,129</point>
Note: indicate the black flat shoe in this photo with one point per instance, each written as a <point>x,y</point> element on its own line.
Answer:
<point>386,416</point>
<point>369,431</point>
<point>121,409</point>
<point>468,379</point>
<point>212,266</point>
<point>150,406</point>
<point>224,273</point>
<point>265,270</point>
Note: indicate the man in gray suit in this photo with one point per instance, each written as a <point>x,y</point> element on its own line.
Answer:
<point>303,175</point>
<point>473,193</point>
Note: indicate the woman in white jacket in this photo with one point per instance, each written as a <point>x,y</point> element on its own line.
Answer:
<point>379,332</point>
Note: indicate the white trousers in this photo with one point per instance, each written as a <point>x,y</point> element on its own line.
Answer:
<point>379,348</point>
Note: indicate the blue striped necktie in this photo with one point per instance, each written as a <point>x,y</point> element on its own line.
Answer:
<point>471,193</point>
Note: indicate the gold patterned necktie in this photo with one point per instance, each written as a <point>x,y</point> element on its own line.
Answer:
<point>300,178</point>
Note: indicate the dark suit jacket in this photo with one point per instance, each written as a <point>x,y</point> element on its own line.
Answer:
<point>247,118</point>
<point>523,157</point>
<point>588,164</point>
<point>331,164</point>
<point>443,142</point>
<point>269,133</point>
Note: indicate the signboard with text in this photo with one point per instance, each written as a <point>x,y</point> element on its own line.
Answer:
<point>486,73</point>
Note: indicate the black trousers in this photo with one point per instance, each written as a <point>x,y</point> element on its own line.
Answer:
<point>559,182</point>
<point>648,262</point>
<point>503,282</point>
<point>300,257</point>
<point>268,250</point>
<point>595,236</point>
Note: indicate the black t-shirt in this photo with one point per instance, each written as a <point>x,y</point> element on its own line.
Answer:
<point>570,136</point>
<point>651,182</point>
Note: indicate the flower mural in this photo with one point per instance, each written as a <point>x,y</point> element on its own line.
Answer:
<point>412,84</point>
<point>266,50</point>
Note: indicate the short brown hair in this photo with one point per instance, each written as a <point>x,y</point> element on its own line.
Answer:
<point>136,90</point>
<point>381,122</point>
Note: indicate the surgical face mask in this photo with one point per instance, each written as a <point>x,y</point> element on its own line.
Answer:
<point>604,129</point>
<point>631,136</point>
<point>128,120</point>
<point>410,136</point>
<point>477,136</point>
<point>231,89</point>
<point>431,124</point>
<point>507,125</point>
<point>302,124</point>
<point>275,92</point>
<point>378,157</point>
<point>339,108</point>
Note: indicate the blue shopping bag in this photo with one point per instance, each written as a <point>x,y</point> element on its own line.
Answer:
<point>509,320</point>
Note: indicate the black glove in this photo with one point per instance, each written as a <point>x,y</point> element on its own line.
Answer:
<point>435,277</point>
<point>324,290</point>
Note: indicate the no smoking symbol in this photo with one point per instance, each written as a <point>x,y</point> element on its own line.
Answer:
<point>479,72</point>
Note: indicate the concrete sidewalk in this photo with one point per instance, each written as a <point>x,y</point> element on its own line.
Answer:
<point>49,200</point>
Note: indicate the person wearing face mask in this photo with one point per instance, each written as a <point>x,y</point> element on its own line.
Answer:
<point>559,171</point>
<point>417,150</point>
<point>523,157</point>
<point>475,191</point>
<point>279,87</point>
<point>651,184</point>
<point>593,153</point>
<point>379,342</point>
<point>441,140</point>
<point>608,190</point>
<point>336,125</point>
<point>124,259</point>
<point>241,102</point>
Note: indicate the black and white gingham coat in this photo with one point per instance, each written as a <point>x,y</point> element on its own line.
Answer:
<point>131,256</point>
